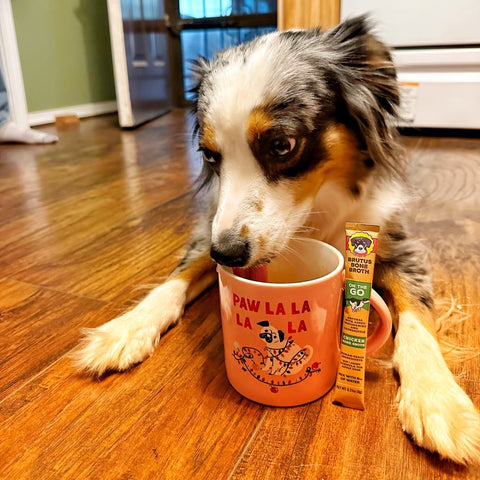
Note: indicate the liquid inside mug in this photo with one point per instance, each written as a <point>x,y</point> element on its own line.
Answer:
<point>282,337</point>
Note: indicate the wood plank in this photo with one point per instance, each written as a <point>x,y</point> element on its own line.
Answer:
<point>98,205</point>
<point>114,265</point>
<point>34,176</point>
<point>322,440</point>
<point>38,326</point>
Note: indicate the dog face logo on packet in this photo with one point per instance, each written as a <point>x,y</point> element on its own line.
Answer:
<point>361,244</point>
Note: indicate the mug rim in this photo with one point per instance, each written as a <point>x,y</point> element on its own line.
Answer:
<point>339,268</point>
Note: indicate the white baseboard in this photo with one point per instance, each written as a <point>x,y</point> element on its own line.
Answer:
<point>86,110</point>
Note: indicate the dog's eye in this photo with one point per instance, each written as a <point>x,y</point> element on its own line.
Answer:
<point>279,147</point>
<point>210,156</point>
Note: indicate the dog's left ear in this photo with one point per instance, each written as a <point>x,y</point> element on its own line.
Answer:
<point>367,80</point>
<point>367,58</point>
<point>281,335</point>
<point>199,68</point>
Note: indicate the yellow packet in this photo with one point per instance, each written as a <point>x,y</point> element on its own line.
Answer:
<point>360,251</point>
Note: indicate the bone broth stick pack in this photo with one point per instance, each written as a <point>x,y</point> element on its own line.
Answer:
<point>360,251</point>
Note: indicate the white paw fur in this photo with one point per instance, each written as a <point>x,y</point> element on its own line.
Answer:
<point>432,408</point>
<point>132,337</point>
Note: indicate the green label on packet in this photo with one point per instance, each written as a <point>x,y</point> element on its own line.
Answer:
<point>357,290</point>
<point>357,293</point>
<point>352,341</point>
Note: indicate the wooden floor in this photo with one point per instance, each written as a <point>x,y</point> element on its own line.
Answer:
<point>87,225</point>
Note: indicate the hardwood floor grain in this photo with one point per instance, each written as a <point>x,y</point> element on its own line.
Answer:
<point>106,265</point>
<point>146,423</point>
<point>38,326</point>
<point>87,224</point>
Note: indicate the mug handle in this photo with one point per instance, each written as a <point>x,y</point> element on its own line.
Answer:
<point>378,338</point>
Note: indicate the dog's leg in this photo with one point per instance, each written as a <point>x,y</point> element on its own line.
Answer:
<point>132,337</point>
<point>432,407</point>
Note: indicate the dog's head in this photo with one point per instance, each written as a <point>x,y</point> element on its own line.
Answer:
<point>280,118</point>
<point>270,334</point>
<point>361,244</point>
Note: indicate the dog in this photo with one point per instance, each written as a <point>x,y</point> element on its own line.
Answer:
<point>357,305</point>
<point>361,245</point>
<point>284,356</point>
<point>297,133</point>
<point>270,334</point>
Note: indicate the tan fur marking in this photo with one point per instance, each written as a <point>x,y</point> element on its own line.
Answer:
<point>258,123</point>
<point>244,231</point>
<point>258,206</point>
<point>261,242</point>
<point>208,138</point>
<point>341,165</point>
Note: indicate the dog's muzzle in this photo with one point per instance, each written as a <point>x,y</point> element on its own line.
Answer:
<point>230,250</point>
<point>267,336</point>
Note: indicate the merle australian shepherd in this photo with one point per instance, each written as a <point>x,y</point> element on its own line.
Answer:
<point>297,134</point>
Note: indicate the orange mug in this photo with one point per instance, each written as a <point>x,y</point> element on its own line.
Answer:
<point>282,337</point>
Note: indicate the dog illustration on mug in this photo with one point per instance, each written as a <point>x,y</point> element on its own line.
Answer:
<point>282,356</point>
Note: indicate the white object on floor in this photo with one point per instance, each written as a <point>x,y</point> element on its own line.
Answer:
<point>12,132</point>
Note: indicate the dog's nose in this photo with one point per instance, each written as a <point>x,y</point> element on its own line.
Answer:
<point>230,250</point>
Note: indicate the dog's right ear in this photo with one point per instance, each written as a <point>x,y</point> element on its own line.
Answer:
<point>264,323</point>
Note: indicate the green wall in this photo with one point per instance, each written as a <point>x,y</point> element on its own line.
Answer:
<point>65,52</point>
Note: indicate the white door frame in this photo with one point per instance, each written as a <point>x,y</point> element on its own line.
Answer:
<point>119,59</point>
<point>12,69</point>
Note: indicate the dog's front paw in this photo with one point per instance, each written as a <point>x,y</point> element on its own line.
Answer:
<point>440,417</point>
<point>116,345</point>
<point>132,337</point>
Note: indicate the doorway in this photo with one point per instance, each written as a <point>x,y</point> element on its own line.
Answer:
<point>201,28</point>
<point>154,42</point>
